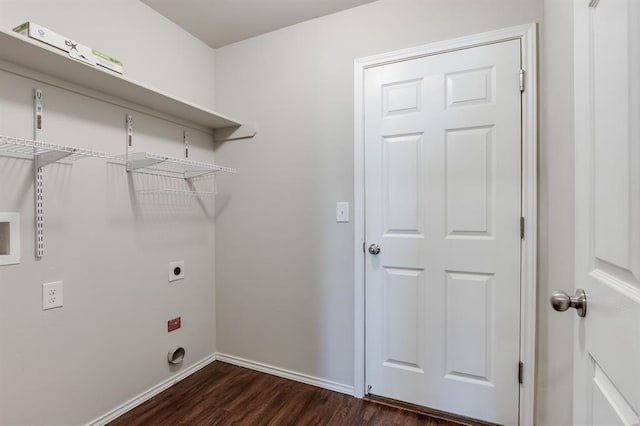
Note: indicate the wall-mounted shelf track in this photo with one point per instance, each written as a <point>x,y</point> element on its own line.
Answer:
<point>169,166</point>
<point>45,153</point>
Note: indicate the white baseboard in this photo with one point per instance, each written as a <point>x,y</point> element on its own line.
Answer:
<point>150,393</point>
<point>287,374</point>
<point>241,362</point>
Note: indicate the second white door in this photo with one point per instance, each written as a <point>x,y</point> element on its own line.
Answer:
<point>443,203</point>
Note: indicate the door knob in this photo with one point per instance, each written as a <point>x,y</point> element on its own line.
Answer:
<point>561,301</point>
<point>374,249</point>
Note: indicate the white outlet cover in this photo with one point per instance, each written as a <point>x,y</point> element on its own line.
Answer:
<point>51,295</point>
<point>172,270</point>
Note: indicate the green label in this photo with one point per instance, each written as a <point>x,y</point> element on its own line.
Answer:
<point>107,57</point>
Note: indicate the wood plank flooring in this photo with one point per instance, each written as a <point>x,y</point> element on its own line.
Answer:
<point>223,394</point>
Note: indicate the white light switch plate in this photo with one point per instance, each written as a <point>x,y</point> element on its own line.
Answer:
<point>342,212</point>
<point>51,295</point>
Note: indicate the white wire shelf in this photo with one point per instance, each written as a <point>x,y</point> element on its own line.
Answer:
<point>46,153</point>
<point>178,192</point>
<point>176,167</point>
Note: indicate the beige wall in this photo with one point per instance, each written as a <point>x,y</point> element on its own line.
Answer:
<point>555,232</point>
<point>284,268</point>
<point>110,248</point>
<point>154,50</point>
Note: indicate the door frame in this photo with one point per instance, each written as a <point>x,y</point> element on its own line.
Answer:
<point>527,34</point>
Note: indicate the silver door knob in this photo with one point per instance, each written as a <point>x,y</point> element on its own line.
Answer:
<point>374,249</point>
<point>561,301</point>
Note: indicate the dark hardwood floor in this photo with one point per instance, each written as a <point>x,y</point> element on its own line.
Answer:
<point>223,394</point>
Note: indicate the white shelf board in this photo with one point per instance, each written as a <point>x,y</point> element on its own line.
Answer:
<point>37,56</point>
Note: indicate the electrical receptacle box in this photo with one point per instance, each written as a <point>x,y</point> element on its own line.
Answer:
<point>176,270</point>
<point>51,295</point>
<point>9,238</point>
<point>174,324</point>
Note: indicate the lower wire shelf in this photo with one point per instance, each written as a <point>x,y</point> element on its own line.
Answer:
<point>179,192</point>
<point>170,166</point>
<point>163,166</point>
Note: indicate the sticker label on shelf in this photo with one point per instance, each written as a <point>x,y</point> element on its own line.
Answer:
<point>129,130</point>
<point>185,138</point>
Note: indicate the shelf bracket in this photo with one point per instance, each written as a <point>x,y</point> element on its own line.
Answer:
<point>49,157</point>
<point>226,134</point>
<point>142,163</point>
<point>195,173</point>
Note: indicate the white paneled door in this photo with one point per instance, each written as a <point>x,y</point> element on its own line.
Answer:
<point>607,350</point>
<point>443,207</point>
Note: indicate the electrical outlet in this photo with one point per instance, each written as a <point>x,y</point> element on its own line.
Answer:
<point>176,270</point>
<point>51,295</point>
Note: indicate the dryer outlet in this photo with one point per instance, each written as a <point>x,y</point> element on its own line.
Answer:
<point>176,270</point>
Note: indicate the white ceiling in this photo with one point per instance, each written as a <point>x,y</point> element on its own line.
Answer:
<point>222,22</point>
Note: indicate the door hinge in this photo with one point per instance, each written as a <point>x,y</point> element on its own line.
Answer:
<point>520,372</point>
<point>521,80</point>
<point>363,249</point>
<point>521,228</point>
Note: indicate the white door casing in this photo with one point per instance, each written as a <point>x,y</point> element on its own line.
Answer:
<point>526,34</point>
<point>443,200</point>
<point>607,129</point>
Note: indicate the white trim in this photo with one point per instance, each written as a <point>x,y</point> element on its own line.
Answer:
<point>287,374</point>
<point>527,34</point>
<point>359,235</point>
<point>529,263</point>
<point>241,362</point>
<point>151,392</point>
<point>13,220</point>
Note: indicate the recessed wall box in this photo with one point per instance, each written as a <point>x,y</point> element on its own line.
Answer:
<point>176,270</point>
<point>9,238</point>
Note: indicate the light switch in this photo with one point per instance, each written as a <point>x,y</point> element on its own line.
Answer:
<point>342,212</point>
